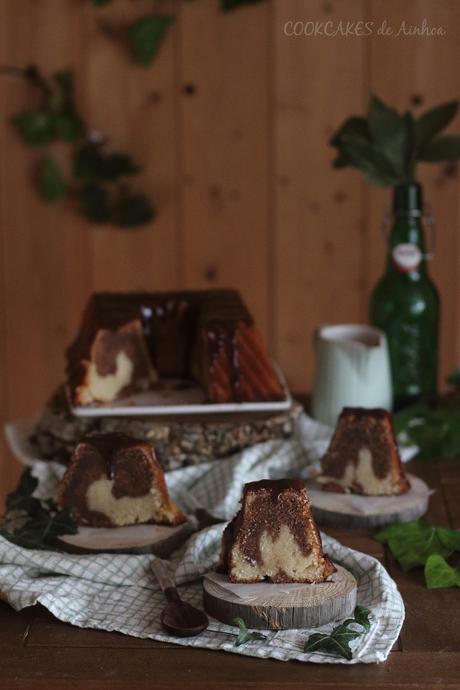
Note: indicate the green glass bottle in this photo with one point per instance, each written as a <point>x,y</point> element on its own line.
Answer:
<point>405,302</point>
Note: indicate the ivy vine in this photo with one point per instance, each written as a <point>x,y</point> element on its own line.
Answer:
<point>96,182</point>
<point>94,177</point>
<point>146,34</point>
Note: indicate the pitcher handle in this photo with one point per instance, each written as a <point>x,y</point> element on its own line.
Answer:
<point>316,336</point>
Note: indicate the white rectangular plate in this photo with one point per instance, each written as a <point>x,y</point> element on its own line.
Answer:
<point>169,400</point>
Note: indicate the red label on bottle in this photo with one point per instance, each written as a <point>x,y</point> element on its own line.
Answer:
<point>406,257</point>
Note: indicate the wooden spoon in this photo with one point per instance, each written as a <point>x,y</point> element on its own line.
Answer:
<point>178,617</point>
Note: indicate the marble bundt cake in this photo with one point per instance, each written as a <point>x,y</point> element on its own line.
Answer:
<point>127,340</point>
<point>363,456</point>
<point>115,480</point>
<point>273,536</point>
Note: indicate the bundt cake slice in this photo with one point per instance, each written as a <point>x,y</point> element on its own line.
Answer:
<point>273,536</point>
<point>115,480</point>
<point>363,456</point>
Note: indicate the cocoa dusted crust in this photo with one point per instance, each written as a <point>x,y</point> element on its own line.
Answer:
<point>275,503</point>
<point>129,462</point>
<point>359,428</point>
<point>206,335</point>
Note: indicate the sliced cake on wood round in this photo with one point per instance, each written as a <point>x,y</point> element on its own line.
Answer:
<point>115,480</point>
<point>273,537</point>
<point>363,456</point>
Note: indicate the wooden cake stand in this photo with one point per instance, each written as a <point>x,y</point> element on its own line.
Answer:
<point>368,512</point>
<point>281,607</point>
<point>159,540</point>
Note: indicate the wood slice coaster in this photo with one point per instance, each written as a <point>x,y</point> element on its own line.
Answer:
<point>159,540</point>
<point>281,606</point>
<point>368,512</point>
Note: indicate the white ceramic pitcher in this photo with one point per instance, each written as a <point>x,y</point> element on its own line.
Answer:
<point>352,370</point>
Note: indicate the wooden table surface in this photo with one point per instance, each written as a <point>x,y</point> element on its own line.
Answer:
<point>38,651</point>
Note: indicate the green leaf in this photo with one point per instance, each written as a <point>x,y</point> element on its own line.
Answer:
<point>50,182</point>
<point>338,640</point>
<point>438,573</point>
<point>352,125</point>
<point>42,530</point>
<point>68,126</point>
<point>434,428</point>
<point>35,127</point>
<point>101,3</point>
<point>65,82</point>
<point>244,634</point>
<point>229,5</point>
<point>432,122</point>
<point>342,160</point>
<point>90,163</point>
<point>411,543</point>
<point>362,617</point>
<point>131,210</point>
<point>146,35</point>
<point>45,521</point>
<point>409,153</point>
<point>445,148</point>
<point>389,134</point>
<point>454,378</point>
<point>364,156</point>
<point>21,498</point>
<point>93,200</point>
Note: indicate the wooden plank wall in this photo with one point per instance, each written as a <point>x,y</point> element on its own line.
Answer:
<point>231,125</point>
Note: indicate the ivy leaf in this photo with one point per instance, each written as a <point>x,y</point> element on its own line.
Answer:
<point>317,642</point>
<point>146,35</point>
<point>131,210</point>
<point>352,125</point>
<point>50,182</point>
<point>338,640</point>
<point>438,573</point>
<point>364,156</point>
<point>411,543</point>
<point>42,530</point>
<point>409,151</point>
<point>386,145</point>
<point>68,126</point>
<point>454,378</point>
<point>244,634</point>
<point>342,160</point>
<point>445,148</point>
<point>45,521</point>
<point>362,615</point>
<point>90,163</point>
<point>229,5</point>
<point>93,200</point>
<point>35,127</point>
<point>388,133</point>
<point>434,428</point>
<point>21,498</point>
<point>432,122</point>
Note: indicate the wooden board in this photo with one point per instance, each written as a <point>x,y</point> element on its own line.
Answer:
<point>368,512</point>
<point>319,251</point>
<point>224,150</point>
<point>273,608</point>
<point>159,540</point>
